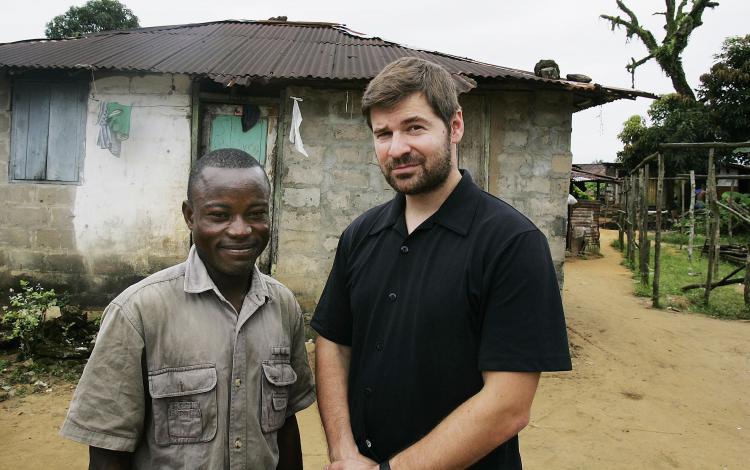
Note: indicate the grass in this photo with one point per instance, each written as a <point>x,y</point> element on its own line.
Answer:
<point>676,272</point>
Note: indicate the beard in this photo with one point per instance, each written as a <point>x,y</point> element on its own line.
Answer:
<point>434,173</point>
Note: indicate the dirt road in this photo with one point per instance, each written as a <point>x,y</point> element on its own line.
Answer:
<point>651,389</point>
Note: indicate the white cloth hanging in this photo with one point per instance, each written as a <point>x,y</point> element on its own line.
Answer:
<point>294,136</point>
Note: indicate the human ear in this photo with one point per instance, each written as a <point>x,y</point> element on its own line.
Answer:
<point>187,213</point>
<point>457,127</point>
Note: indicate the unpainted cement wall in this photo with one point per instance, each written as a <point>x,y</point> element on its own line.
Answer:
<point>520,150</point>
<point>123,220</point>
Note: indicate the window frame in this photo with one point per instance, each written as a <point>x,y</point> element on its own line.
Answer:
<point>51,83</point>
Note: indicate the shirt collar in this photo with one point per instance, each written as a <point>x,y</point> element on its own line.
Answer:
<point>456,213</point>
<point>197,279</point>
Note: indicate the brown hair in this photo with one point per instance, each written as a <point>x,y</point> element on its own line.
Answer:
<point>406,76</point>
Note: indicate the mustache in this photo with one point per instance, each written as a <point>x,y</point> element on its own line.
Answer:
<point>406,159</point>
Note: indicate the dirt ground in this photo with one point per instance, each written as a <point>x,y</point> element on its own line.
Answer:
<point>650,389</point>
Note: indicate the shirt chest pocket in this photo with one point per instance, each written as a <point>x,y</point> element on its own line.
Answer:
<point>278,376</point>
<point>184,404</point>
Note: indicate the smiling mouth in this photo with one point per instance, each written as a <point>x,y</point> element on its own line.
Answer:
<point>238,250</point>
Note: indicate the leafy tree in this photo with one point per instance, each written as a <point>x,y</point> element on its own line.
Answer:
<point>679,24</point>
<point>725,90</point>
<point>721,114</point>
<point>92,17</point>
<point>674,118</point>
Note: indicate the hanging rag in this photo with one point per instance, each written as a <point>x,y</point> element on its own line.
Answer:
<point>250,116</point>
<point>114,126</point>
<point>294,136</point>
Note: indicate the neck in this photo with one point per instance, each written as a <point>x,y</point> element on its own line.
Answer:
<point>232,287</point>
<point>419,207</point>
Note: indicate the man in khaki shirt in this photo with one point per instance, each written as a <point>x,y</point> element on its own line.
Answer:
<point>201,365</point>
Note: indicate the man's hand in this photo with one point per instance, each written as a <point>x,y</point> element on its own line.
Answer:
<point>360,462</point>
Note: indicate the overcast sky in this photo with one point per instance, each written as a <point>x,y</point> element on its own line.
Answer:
<point>509,33</point>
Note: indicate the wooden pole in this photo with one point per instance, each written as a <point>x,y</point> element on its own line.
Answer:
<point>657,234</point>
<point>691,235</point>
<point>631,221</point>
<point>644,227</point>
<point>714,210</point>
<point>729,218</point>
<point>747,279</point>
<point>682,210</point>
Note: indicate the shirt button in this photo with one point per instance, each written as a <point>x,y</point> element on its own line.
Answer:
<point>404,249</point>
<point>237,443</point>
<point>368,391</point>
<point>379,346</point>
<point>237,382</point>
<point>392,296</point>
<point>368,443</point>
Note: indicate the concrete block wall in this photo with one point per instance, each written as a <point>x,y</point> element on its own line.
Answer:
<point>122,221</point>
<point>530,159</point>
<point>321,194</point>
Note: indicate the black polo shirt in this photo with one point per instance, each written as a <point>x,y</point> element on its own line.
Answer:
<point>472,289</point>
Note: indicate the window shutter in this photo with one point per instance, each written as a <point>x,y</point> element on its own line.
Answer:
<point>67,127</point>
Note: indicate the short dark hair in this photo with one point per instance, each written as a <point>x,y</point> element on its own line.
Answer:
<point>406,76</point>
<point>221,158</point>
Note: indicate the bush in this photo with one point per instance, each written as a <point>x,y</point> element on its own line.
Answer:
<point>26,314</point>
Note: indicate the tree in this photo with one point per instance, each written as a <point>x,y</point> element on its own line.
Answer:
<point>674,118</point>
<point>725,90</point>
<point>679,24</point>
<point>92,17</point>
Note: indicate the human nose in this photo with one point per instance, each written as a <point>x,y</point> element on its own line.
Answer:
<point>239,227</point>
<point>399,145</point>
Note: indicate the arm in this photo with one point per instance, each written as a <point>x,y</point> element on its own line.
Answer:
<point>331,375</point>
<point>290,449</point>
<point>105,459</point>
<point>498,412</point>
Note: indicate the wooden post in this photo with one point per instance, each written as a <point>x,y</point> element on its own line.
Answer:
<point>713,234</point>
<point>691,235</point>
<point>631,221</point>
<point>657,234</point>
<point>729,218</point>
<point>747,279</point>
<point>644,227</point>
<point>682,210</point>
<point>621,214</point>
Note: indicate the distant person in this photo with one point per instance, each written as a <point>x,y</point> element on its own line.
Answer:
<point>442,306</point>
<point>201,365</point>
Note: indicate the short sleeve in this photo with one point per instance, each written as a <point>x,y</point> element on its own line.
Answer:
<point>523,327</point>
<point>108,406</point>
<point>302,393</point>
<point>333,316</point>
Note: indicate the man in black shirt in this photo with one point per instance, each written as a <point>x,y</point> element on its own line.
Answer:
<point>442,306</point>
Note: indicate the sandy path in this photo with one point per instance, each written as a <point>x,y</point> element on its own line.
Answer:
<point>651,389</point>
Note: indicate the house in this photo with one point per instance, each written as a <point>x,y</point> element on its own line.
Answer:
<point>96,219</point>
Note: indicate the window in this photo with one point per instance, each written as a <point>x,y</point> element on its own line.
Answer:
<point>48,130</point>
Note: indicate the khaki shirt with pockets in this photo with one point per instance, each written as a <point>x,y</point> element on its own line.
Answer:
<point>183,381</point>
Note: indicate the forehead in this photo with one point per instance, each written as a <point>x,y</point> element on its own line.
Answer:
<point>413,106</point>
<point>213,182</point>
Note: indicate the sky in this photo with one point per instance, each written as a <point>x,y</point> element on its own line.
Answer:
<point>509,33</point>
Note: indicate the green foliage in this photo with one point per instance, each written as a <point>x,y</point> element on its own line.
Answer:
<point>676,272</point>
<point>94,16</point>
<point>721,114</point>
<point>26,313</point>
<point>725,90</point>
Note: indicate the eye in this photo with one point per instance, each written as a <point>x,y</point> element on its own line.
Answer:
<point>258,215</point>
<point>382,135</point>
<point>218,215</point>
<point>415,128</point>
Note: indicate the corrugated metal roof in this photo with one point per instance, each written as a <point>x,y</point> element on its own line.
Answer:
<point>235,51</point>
